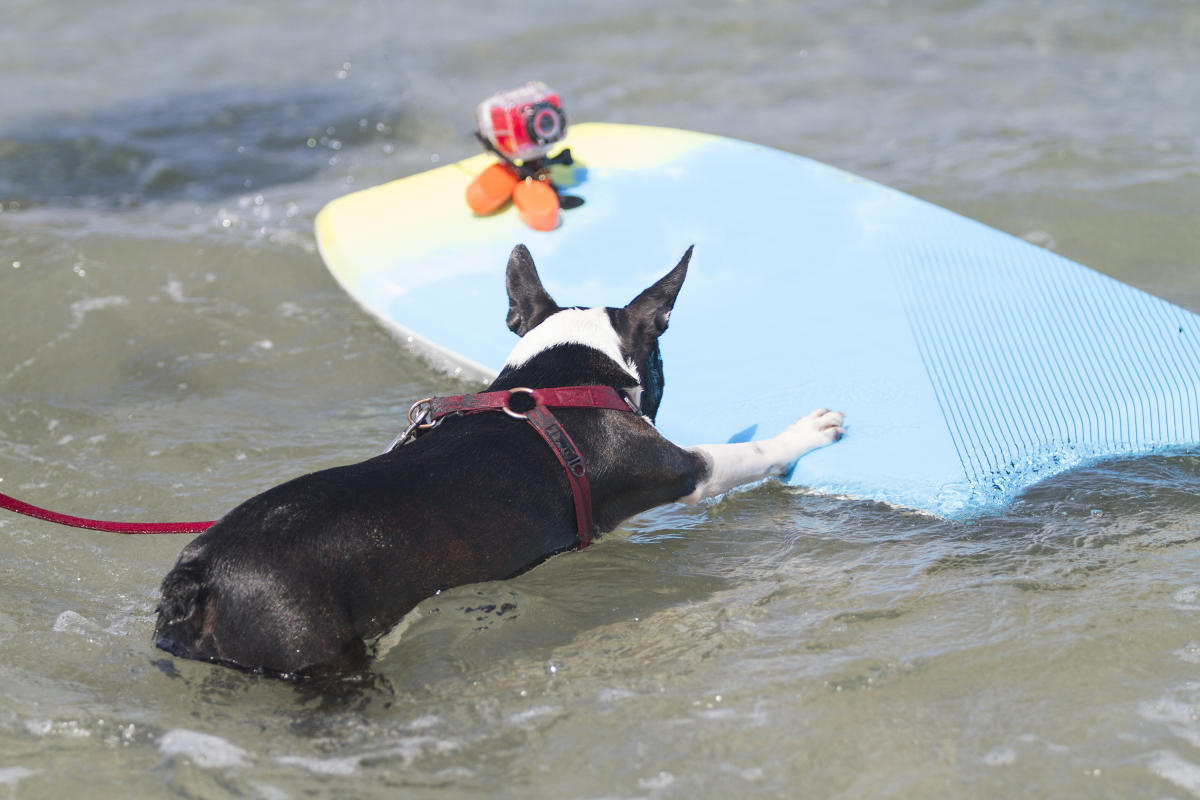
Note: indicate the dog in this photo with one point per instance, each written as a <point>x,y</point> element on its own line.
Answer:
<point>295,581</point>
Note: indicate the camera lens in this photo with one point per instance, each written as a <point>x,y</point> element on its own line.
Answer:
<point>545,123</point>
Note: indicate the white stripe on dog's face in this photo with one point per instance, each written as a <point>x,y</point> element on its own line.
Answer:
<point>590,327</point>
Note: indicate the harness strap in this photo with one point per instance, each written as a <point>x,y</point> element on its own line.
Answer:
<point>427,413</point>
<point>569,456</point>
<point>558,397</point>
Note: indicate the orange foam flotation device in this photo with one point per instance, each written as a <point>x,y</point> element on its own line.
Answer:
<point>537,204</point>
<point>492,188</point>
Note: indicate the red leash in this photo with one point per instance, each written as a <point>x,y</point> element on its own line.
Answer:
<point>426,414</point>
<point>13,504</point>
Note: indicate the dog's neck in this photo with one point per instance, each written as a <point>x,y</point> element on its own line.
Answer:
<point>567,365</point>
<point>574,346</point>
<point>590,327</point>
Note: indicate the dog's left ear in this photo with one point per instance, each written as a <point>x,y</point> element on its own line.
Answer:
<point>528,301</point>
<point>651,310</point>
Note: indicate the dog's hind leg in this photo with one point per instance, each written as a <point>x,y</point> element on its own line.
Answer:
<point>731,465</point>
<point>181,614</point>
<point>285,635</point>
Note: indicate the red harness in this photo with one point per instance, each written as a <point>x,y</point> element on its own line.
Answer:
<point>425,414</point>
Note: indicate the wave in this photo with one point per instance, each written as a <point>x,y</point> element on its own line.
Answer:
<point>199,146</point>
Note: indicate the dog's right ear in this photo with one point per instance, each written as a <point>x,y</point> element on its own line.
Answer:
<point>651,310</point>
<point>528,301</point>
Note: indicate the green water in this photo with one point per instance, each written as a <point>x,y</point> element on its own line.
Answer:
<point>171,344</point>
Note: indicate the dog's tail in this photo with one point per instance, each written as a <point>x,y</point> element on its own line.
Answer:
<point>181,613</point>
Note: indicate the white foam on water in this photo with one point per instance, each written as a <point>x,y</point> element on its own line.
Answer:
<point>613,695</point>
<point>528,714</point>
<point>657,782</point>
<point>11,776</point>
<point>1178,771</point>
<point>423,722</point>
<point>204,749</point>
<point>405,750</point>
<point>323,766</point>
<point>1187,599</point>
<point>409,748</point>
<point>174,290</point>
<point>1000,756</point>
<point>1180,715</point>
<point>268,791</point>
<point>73,622</point>
<point>68,729</point>
<point>81,308</point>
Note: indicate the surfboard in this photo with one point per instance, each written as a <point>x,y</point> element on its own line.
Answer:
<point>970,363</point>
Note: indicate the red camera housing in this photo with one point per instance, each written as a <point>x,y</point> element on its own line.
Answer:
<point>522,124</point>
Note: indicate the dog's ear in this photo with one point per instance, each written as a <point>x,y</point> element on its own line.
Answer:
<point>528,301</point>
<point>651,310</point>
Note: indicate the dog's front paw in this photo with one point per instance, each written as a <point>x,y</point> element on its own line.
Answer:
<point>818,429</point>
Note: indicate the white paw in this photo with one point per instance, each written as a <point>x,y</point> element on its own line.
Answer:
<point>818,429</point>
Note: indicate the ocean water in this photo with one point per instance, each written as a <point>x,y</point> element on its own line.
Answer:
<point>172,344</point>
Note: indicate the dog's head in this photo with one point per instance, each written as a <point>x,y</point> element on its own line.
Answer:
<point>627,337</point>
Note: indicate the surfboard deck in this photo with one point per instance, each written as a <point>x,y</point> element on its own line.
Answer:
<point>970,363</point>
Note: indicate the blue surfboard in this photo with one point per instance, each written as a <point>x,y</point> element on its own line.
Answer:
<point>970,363</point>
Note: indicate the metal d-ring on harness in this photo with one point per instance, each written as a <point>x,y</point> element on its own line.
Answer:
<point>418,417</point>
<point>426,414</point>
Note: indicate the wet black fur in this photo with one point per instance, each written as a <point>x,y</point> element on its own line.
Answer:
<point>295,580</point>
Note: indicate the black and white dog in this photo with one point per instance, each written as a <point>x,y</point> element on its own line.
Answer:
<point>295,580</point>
